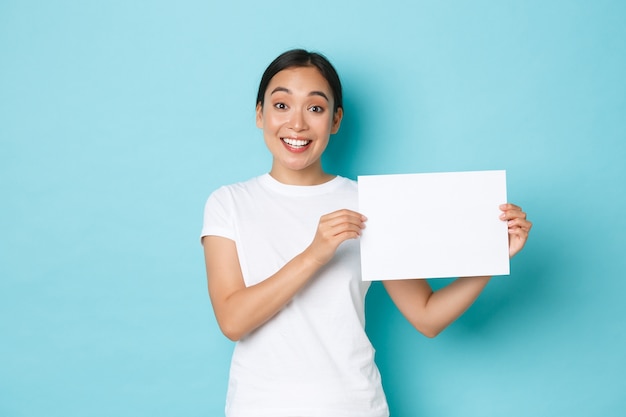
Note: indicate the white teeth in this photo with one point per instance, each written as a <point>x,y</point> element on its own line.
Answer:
<point>296,142</point>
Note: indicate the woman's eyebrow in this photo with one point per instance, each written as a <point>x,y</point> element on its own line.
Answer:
<point>319,93</point>
<point>281,89</point>
<point>288,91</point>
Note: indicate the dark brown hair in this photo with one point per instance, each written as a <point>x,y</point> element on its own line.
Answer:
<point>301,58</point>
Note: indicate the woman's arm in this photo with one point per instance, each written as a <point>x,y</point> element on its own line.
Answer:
<point>240,309</point>
<point>431,312</point>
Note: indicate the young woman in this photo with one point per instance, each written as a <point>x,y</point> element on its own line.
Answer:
<point>283,268</point>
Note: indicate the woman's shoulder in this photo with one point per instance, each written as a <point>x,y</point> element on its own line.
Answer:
<point>347,184</point>
<point>230,192</point>
<point>347,181</point>
<point>239,185</point>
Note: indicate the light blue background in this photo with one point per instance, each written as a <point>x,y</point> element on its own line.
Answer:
<point>118,118</point>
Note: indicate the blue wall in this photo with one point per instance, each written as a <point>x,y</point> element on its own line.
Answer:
<point>117,119</point>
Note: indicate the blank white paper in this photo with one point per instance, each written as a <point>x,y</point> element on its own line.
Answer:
<point>434,225</point>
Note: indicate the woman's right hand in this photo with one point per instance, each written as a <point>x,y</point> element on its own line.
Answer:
<point>333,229</point>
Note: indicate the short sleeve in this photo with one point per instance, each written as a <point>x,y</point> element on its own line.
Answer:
<point>218,215</point>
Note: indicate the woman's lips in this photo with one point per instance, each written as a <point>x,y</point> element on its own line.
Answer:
<point>296,145</point>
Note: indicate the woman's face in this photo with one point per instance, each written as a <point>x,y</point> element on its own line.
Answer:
<point>297,119</point>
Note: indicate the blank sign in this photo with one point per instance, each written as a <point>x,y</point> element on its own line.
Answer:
<point>433,225</point>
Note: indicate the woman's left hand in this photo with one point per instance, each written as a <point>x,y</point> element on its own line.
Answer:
<point>518,227</point>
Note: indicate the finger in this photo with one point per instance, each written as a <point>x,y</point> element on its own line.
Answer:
<point>340,231</point>
<point>509,206</point>
<point>519,223</point>
<point>345,219</point>
<point>512,214</point>
<point>344,212</point>
<point>347,228</point>
<point>517,230</point>
<point>348,234</point>
<point>335,237</point>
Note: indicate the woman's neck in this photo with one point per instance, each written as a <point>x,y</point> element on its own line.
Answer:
<point>302,177</point>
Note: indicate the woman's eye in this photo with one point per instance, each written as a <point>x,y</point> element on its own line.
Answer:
<point>316,109</point>
<point>280,106</point>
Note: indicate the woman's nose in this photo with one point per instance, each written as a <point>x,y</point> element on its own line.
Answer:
<point>298,120</point>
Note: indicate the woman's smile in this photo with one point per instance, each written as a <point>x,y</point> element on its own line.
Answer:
<point>296,145</point>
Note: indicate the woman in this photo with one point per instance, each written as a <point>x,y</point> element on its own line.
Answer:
<point>283,267</point>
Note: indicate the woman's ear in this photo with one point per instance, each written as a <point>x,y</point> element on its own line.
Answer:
<point>336,120</point>
<point>259,116</point>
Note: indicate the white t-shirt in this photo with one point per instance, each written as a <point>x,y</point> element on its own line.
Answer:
<point>313,358</point>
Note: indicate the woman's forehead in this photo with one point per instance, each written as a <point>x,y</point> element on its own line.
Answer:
<point>299,80</point>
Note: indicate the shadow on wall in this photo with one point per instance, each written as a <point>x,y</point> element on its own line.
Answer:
<point>343,149</point>
<point>364,121</point>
